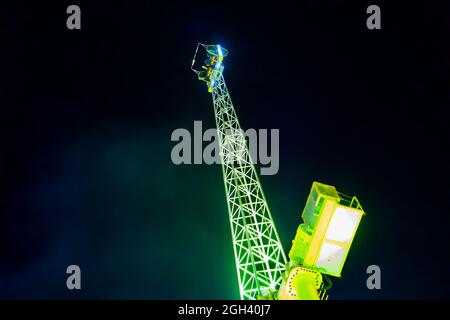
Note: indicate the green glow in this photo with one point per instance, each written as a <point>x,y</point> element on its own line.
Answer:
<point>260,259</point>
<point>322,242</point>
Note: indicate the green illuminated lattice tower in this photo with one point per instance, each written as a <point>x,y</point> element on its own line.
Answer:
<point>260,259</point>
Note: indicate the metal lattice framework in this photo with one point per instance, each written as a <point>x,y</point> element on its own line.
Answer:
<point>260,259</point>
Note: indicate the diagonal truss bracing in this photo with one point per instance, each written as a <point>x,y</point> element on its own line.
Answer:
<point>260,259</point>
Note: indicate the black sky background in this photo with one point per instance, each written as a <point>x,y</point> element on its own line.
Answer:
<point>86,118</point>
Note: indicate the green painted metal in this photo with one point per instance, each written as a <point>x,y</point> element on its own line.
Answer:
<point>260,259</point>
<point>322,242</point>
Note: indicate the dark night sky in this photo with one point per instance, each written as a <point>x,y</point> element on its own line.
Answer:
<point>86,118</point>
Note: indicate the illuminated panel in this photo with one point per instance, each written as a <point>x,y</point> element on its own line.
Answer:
<point>331,258</point>
<point>330,221</point>
<point>343,225</point>
<point>338,238</point>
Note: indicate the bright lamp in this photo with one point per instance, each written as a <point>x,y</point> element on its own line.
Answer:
<point>330,220</point>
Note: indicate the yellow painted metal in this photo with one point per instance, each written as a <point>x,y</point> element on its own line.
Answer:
<point>319,233</point>
<point>301,284</point>
<point>330,221</point>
